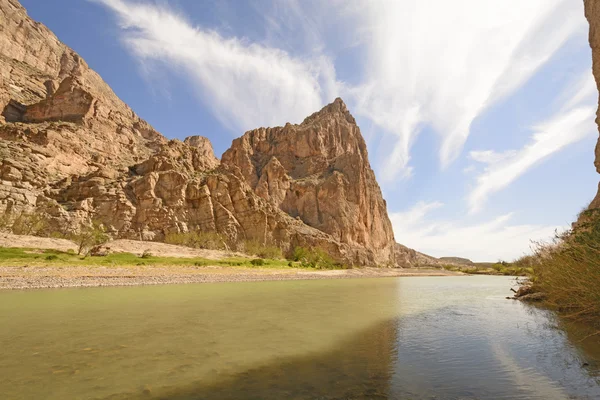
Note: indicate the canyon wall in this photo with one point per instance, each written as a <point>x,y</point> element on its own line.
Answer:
<point>73,151</point>
<point>592,13</point>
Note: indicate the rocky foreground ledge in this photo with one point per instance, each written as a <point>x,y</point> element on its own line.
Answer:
<point>70,277</point>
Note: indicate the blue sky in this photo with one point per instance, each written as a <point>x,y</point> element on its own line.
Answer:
<point>478,114</point>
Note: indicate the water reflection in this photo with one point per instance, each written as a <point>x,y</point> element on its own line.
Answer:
<point>417,338</point>
<point>363,373</point>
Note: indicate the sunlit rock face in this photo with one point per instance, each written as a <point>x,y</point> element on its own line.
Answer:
<point>73,151</point>
<point>319,171</point>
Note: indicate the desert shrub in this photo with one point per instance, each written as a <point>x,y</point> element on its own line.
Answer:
<point>146,254</point>
<point>258,249</point>
<point>197,240</point>
<point>88,236</point>
<point>314,258</point>
<point>300,253</point>
<point>30,223</point>
<point>5,222</point>
<point>257,262</point>
<point>567,271</point>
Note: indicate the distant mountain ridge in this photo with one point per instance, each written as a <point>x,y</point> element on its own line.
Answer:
<point>456,260</point>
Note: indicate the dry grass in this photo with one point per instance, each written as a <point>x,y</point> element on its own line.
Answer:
<point>568,270</point>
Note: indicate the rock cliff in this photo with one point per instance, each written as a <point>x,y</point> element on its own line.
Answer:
<point>592,13</point>
<point>72,150</point>
<point>319,172</point>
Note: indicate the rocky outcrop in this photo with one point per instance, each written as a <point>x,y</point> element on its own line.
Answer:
<point>43,80</point>
<point>72,150</point>
<point>592,13</point>
<point>319,172</point>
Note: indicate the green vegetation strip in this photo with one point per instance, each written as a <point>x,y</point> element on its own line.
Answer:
<point>499,268</point>
<point>33,257</point>
<point>12,256</point>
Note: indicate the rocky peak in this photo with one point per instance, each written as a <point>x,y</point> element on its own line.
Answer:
<point>319,172</point>
<point>337,109</point>
<point>203,146</point>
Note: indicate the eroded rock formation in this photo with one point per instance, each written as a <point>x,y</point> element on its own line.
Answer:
<point>319,171</point>
<point>71,149</point>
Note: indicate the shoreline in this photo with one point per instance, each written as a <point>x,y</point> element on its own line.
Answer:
<point>29,278</point>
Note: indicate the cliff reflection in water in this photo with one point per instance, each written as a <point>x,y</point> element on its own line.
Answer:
<point>365,372</point>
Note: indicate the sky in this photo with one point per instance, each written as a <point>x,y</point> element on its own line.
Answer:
<point>478,114</point>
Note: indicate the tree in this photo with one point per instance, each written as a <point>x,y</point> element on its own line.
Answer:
<point>34,223</point>
<point>88,236</point>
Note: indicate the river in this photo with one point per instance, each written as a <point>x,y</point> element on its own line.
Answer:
<point>386,338</point>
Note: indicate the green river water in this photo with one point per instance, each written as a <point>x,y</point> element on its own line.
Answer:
<point>388,338</point>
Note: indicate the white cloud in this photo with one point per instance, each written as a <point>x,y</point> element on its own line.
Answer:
<point>490,156</point>
<point>442,63</point>
<point>491,240</point>
<point>573,122</point>
<point>246,85</point>
<point>417,213</point>
<point>427,63</point>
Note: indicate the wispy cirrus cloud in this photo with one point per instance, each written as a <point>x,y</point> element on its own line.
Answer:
<point>245,85</point>
<point>423,63</point>
<point>494,239</point>
<point>443,63</point>
<point>573,122</point>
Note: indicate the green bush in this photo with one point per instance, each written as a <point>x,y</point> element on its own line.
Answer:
<point>314,258</point>
<point>258,249</point>
<point>257,262</point>
<point>88,236</point>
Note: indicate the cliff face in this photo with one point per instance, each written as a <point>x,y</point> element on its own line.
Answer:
<point>72,150</point>
<point>319,172</point>
<point>592,13</point>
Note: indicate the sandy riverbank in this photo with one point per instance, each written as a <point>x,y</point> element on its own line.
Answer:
<point>62,277</point>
